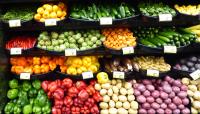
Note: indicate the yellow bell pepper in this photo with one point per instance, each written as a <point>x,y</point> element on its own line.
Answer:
<point>102,77</point>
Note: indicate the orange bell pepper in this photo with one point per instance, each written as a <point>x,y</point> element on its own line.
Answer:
<point>21,61</point>
<point>28,69</point>
<point>36,69</point>
<point>63,68</point>
<point>13,61</point>
<point>52,65</point>
<point>36,61</point>
<point>19,69</point>
<point>45,59</point>
<point>60,61</point>
<point>29,60</point>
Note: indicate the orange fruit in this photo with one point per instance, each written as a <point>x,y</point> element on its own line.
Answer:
<point>64,13</point>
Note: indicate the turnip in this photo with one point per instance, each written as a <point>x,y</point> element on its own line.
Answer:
<point>185,101</point>
<point>141,88</point>
<point>163,106</point>
<point>146,105</point>
<point>182,94</point>
<point>177,100</point>
<point>160,111</point>
<point>168,101</point>
<point>146,93</point>
<point>155,105</point>
<point>176,111</point>
<point>151,111</point>
<point>141,99</point>
<point>150,99</point>
<point>185,111</point>
<point>156,94</point>
<point>142,111</point>
<point>163,95</point>
<point>159,100</point>
<point>150,87</point>
<point>172,106</point>
<point>168,111</point>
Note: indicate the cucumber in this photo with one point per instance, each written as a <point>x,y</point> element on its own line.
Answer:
<point>178,44</point>
<point>182,40</point>
<point>160,41</point>
<point>163,38</point>
<point>166,34</point>
<point>172,33</point>
<point>147,43</point>
<point>154,41</point>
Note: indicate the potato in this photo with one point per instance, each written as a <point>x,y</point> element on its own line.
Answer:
<point>190,93</point>
<point>122,111</point>
<point>196,104</point>
<point>194,111</point>
<point>97,87</point>
<point>122,98</point>
<point>119,81</point>
<point>115,90</point>
<point>106,98</point>
<point>104,112</point>
<point>192,88</point>
<point>130,91</point>
<point>113,111</point>
<point>134,105</point>
<point>111,104</point>
<point>103,105</point>
<point>115,97</point>
<point>123,91</point>
<point>197,95</point>
<point>131,98</point>
<point>119,85</point>
<point>132,111</point>
<point>118,104</point>
<point>126,105</point>
<point>185,81</point>
<point>103,92</point>
<point>106,86</point>
<point>113,82</point>
<point>110,92</point>
<point>127,85</point>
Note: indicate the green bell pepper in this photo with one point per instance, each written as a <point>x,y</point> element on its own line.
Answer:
<point>31,101</point>
<point>12,93</point>
<point>9,108</point>
<point>17,109</point>
<point>41,92</point>
<point>42,100</point>
<point>46,109</point>
<point>13,84</point>
<point>32,92</point>
<point>22,94</point>
<point>14,101</point>
<point>36,84</point>
<point>26,85</point>
<point>22,101</point>
<point>37,110</point>
<point>27,109</point>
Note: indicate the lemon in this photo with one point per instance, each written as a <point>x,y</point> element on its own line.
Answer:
<point>42,20</point>
<point>37,16</point>
<point>92,68</point>
<point>79,71</point>
<point>59,13</point>
<point>45,14</point>
<point>45,5</point>
<point>49,8</point>
<point>55,8</point>
<point>64,13</point>
<point>40,10</point>
<point>84,69</point>
<point>53,15</point>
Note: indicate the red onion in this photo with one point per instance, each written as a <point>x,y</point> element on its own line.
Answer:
<point>163,95</point>
<point>155,105</point>
<point>168,78</point>
<point>146,82</point>
<point>185,111</point>
<point>168,111</point>
<point>182,94</point>
<point>135,85</point>
<point>151,111</point>
<point>176,89</point>
<point>141,88</point>
<point>172,95</point>
<point>177,100</point>
<point>137,92</point>
<point>177,83</point>
<point>184,88</point>
<point>141,99</point>
<point>181,106</point>
<point>167,89</point>
<point>142,111</point>
<point>155,94</point>
<point>146,106</point>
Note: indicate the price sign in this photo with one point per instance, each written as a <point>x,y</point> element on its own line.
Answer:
<point>15,51</point>
<point>119,75</point>
<point>106,21</point>
<point>14,23</point>
<point>165,17</point>
<point>195,75</point>
<point>170,49</point>
<point>25,76</point>
<point>50,22</point>
<point>152,73</point>
<point>87,75</point>
<point>128,50</point>
<point>70,52</point>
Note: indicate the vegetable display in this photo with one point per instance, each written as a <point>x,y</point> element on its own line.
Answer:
<point>80,40</point>
<point>118,38</point>
<point>72,97</point>
<point>51,11</point>
<point>24,42</point>
<point>78,65</point>
<point>118,97</point>
<point>194,93</point>
<point>189,64</point>
<point>156,37</point>
<point>154,9</point>
<point>96,11</point>
<point>22,13</point>
<point>27,98</point>
<point>166,96</point>
<point>151,62</point>
<point>188,9</point>
<point>32,65</point>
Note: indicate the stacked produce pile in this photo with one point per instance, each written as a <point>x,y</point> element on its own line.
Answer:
<point>118,97</point>
<point>95,12</point>
<point>27,98</point>
<point>22,13</point>
<point>51,11</point>
<point>78,65</point>
<point>189,64</point>
<point>161,96</point>
<point>194,93</point>
<point>32,65</point>
<point>80,40</point>
<point>118,38</point>
<point>24,42</point>
<point>72,97</point>
<point>156,37</point>
<point>154,9</point>
<point>151,62</point>
<point>189,10</point>
<point>195,30</point>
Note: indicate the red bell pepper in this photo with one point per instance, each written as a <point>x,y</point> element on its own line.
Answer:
<point>55,110</point>
<point>58,103</point>
<point>85,110</point>
<point>45,85</point>
<point>58,93</point>
<point>93,82</point>
<point>65,110</point>
<point>83,95</point>
<point>68,102</point>
<point>52,86</point>
<point>90,89</point>
<point>80,85</point>
<point>97,97</point>
<point>72,92</point>
<point>67,83</point>
<point>58,82</point>
<point>75,110</point>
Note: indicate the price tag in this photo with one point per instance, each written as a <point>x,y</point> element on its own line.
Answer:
<point>119,75</point>
<point>106,21</point>
<point>14,23</point>
<point>165,17</point>
<point>50,22</point>
<point>195,75</point>
<point>87,75</point>
<point>170,49</point>
<point>25,76</point>
<point>128,50</point>
<point>15,51</point>
<point>70,52</point>
<point>152,73</point>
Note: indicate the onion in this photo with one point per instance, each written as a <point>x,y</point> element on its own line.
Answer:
<point>155,105</point>
<point>163,95</point>
<point>181,106</point>
<point>141,99</point>
<point>177,100</point>
<point>168,101</point>
<point>163,106</point>
<point>142,111</point>
<point>176,89</point>
<point>167,89</point>
<point>177,83</point>
<point>150,99</point>
<point>159,100</point>
<point>176,111</point>
<point>146,106</point>
<point>160,111</point>
<point>146,93</point>
<point>185,101</point>
<point>137,92</point>
<point>185,111</point>
<point>168,111</point>
<point>172,106</point>
<point>151,111</point>
<point>172,95</point>
<point>150,87</point>
<point>141,88</point>
<point>155,94</point>
<point>182,94</point>
<point>184,88</point>
<point>146,82</point>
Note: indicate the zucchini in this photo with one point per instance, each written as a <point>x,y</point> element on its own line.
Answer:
<point>163,38</point>
<point>160,41</point>
<point>147,43</point>
<point>154,41</point>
